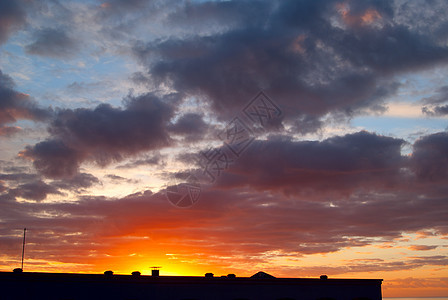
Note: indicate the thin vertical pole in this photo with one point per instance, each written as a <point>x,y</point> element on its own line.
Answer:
<point>23,246</point>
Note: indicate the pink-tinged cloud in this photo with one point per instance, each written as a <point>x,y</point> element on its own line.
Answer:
<point>429,157</point>
<point>12,17</point>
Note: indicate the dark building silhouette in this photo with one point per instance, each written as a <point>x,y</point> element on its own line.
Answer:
<point>261,286</point>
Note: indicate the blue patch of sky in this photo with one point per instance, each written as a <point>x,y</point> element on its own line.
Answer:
<point>407,128</point>
<point>43,76</point>
<point>416,86</point>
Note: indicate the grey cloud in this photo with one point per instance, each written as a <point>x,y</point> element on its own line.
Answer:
<point>152,160</point>
<point>192,126</point>
<point>440,96</point>
<point>439,110</point>
<point>139,78</point>
<point>54,159</point>
<point>103,134</point>
<point>18,177</point>
<point>77,183</point>
<point>53,42</point>
<point>340,164</point>
<point>117,179</point>
<point>37,191</point>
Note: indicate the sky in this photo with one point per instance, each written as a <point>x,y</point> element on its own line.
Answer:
<point>298,138</point>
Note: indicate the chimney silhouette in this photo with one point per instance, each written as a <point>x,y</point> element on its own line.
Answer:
<point>155,271</point>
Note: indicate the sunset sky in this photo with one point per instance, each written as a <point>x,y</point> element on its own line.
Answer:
<point>109,108</point>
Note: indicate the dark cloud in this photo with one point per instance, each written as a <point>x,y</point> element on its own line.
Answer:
<point>191,126</point>
<point>37,191</point>
<point>54,159</point>
<point>393,49</point>
<point>31,186</point>
<point>439,110</point>
<point>53,42</point>
<point>306,124</point>
<point>12,17</point>
<point>16,106</point>
<point>103,134</point>
<point>430,157</point>
<point>338,164</point>
<point>312,56</point>
<point>19,177</point>
<point>78,183</point>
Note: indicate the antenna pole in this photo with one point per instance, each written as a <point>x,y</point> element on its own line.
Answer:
<point>23,246</point>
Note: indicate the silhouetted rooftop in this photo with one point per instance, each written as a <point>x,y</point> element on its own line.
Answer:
<point>31,285</point>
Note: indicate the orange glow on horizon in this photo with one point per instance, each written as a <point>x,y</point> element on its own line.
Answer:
<point>140,253</point>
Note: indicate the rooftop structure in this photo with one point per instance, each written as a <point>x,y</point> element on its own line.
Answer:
<point>261,286</point>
